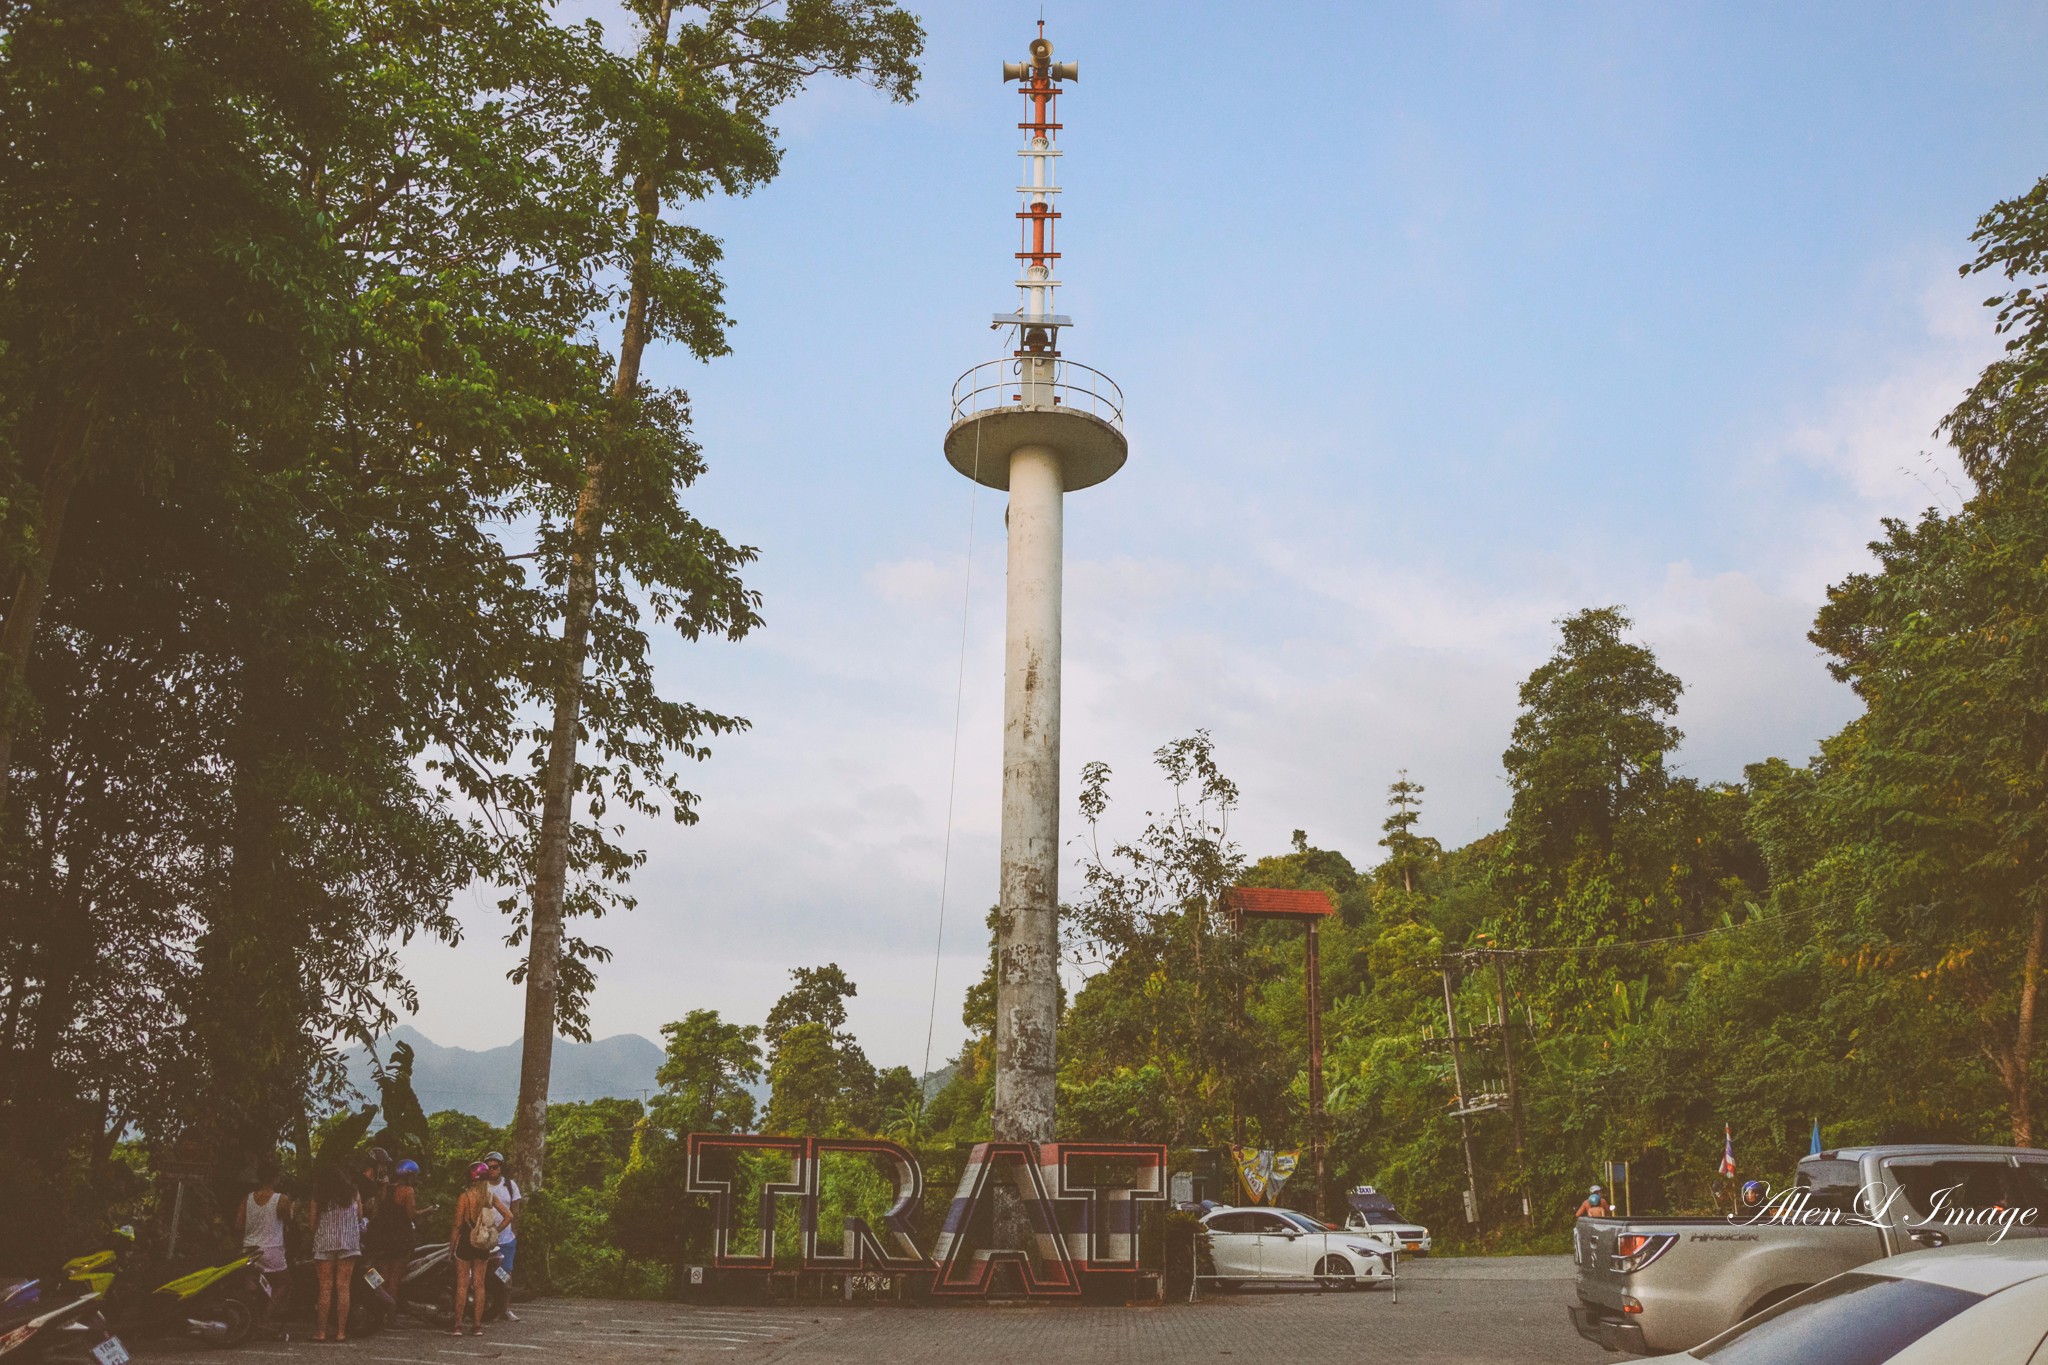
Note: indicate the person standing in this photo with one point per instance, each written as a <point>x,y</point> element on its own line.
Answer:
<point>506,1190</point>
<point>1595,1205</point>
<point>337,1244</point>
<point>260,1221</point>
<point>388,1239</point>
<point>372,1180</point>
<point>473,1236</point>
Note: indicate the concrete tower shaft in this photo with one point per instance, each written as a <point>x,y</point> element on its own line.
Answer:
<point>1038,426</point>
<point>1027,947</point>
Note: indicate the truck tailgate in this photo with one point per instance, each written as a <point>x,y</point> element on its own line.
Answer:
<point>1710,1274</point>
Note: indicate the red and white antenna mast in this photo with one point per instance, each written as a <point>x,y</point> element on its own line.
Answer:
<point>1037,318</point>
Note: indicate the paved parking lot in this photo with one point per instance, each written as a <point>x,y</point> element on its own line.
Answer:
<point>1504,1311</point>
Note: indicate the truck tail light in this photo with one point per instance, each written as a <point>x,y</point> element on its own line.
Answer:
<point>1630,1304</point>
<point>1635,1250</point>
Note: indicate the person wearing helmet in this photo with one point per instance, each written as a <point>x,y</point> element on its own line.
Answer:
<point>1595,1204</point>
<point>507,1191</point>
<point>389,1239</point>
<point>473,1238</point>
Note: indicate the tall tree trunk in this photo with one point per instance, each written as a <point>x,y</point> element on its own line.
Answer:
<point>528,1153</point>
<point>2019,1070</point>
<point>245,959</point>
<point>69,448</point>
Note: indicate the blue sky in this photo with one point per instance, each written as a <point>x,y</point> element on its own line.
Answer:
<point>1435,323</point>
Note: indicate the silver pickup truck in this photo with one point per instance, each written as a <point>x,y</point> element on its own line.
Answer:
<point>1667,1284</point>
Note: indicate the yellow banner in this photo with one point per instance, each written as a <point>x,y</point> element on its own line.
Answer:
<point>1263,1171</point>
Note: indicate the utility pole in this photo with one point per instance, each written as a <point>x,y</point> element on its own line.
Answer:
<point>1312,970</point>
<point>1464,1118</point>
<point>1507,1050</point>
<point>1308,909</point>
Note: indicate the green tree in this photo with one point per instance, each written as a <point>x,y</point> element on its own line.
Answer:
<point>819,1079</point>
<point>817,1084</point>
<point>163,278</point>
<point>1167,974</point>
<point>705,1075</point>
<point>690,118</point>
<point>1938,795</point>
<point>959,1109</point>
<point>1603,845</point>
<point>1588,751</point>
<point>818,997</point>
<point>1408,853</point>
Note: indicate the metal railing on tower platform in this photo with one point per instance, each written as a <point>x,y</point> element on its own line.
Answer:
<point>997,385</point>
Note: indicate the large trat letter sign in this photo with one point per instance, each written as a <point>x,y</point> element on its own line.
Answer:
<point>1071,1209</point>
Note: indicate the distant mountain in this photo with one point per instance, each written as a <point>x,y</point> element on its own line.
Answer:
<point>486,1084</point>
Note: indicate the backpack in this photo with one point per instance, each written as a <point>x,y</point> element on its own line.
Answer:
<point>483,1229</point>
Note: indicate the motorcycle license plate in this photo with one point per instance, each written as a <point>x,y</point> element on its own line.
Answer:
<point>504,1275</point>
<point>111,1352</point>
<point>373,1279</point>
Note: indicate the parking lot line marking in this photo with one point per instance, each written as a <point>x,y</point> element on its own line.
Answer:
<point>740,1313</point>
<point>680,1338</point>
<point>698,1327</point>
<point>708,1320</point>
<point>688,1336</point>
<point>752,1324</point>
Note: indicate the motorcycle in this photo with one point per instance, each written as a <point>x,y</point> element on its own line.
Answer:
<point>35,1315</point>
<point>220,1303</point>
<point>428,1289</point>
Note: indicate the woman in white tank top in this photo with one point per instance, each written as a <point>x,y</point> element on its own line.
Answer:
<point>260,1221</point>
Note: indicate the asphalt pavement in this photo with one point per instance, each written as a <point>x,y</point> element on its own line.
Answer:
<point>1496,1310</point>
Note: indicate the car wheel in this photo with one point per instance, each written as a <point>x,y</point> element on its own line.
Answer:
<point>1334,1272</point>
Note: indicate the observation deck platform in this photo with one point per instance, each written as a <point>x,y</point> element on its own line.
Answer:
<point>1002,405</point>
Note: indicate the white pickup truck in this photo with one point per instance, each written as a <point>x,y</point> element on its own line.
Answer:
<point>1667,1284</point>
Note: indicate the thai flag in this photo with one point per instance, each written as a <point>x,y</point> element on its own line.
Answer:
<point>1727,1152</point>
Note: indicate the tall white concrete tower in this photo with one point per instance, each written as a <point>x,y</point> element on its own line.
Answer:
<point>1037,426</point>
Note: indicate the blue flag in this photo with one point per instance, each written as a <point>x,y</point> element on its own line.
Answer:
<point>1815,1151</point>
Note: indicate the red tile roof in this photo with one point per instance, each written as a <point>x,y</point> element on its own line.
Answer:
<point>1268,902</point>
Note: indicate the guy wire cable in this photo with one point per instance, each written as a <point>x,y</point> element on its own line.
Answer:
<point>952,780</point>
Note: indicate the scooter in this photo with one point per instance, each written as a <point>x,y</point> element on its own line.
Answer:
<point>428,1289</point>
<point>220,1303</point>
<point>32,1321</point>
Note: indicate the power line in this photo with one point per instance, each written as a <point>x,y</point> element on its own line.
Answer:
<point>1633,944</point>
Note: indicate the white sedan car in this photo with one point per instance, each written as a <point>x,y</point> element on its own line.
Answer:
<point>1280,1244</point>
<point>1980,1304</point>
